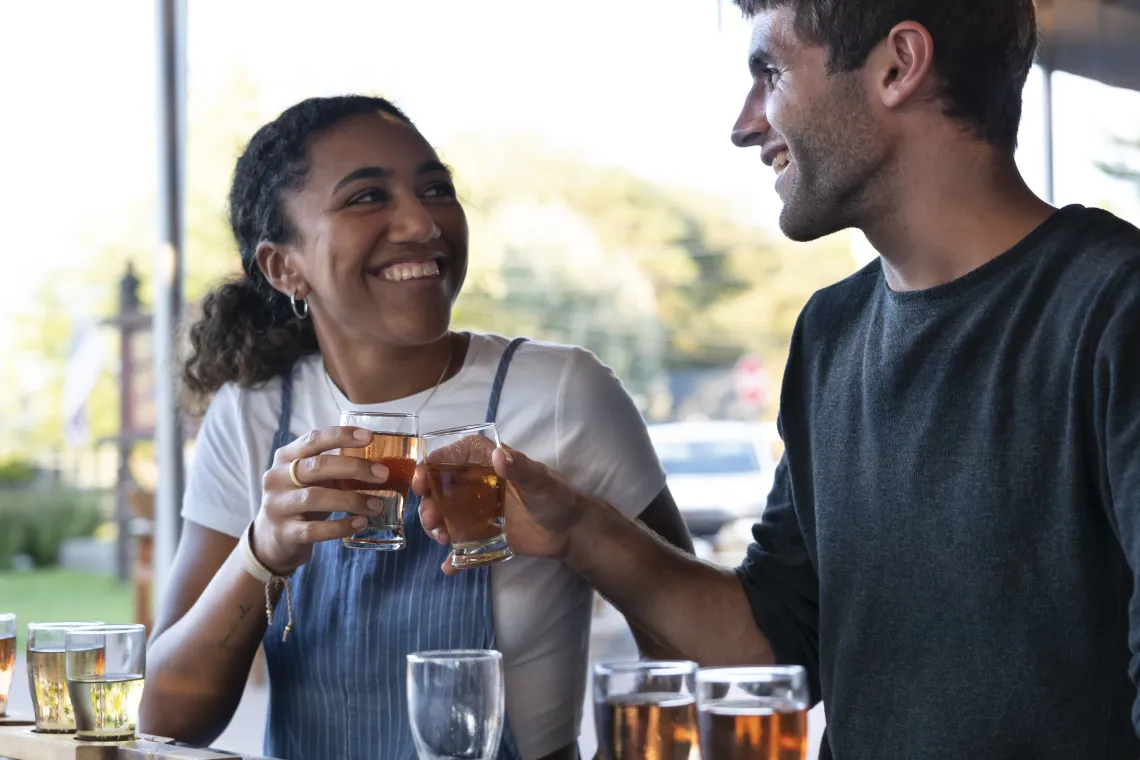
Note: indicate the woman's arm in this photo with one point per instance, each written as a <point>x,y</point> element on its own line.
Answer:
<point>197,664</point>
<point>214,616</point>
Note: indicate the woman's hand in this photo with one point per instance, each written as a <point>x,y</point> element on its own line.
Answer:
<point>294,518</point>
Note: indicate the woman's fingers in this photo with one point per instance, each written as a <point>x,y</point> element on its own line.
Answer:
<point>319,441</point>
<point>326,470</point>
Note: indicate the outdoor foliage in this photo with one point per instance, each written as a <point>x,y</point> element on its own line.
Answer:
<point>37,521</point>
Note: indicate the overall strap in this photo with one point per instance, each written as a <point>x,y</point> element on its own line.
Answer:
<point>501,377</point>
<point>283,436</point>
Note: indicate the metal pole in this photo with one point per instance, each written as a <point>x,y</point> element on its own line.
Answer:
<point>1047,97</point>
<point>128,310</point>
<point>171,21</point>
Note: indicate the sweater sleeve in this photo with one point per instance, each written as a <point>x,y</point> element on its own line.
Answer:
<point>781,583</point>
<point>1116,393</point>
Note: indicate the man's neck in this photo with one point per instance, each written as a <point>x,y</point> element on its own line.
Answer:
<point>378,374</point>
<point>952,212</point>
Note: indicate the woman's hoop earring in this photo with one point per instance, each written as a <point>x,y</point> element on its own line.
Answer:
<point>300,313</point>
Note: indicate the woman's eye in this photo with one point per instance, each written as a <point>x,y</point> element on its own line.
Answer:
<point>368,196</point>
<point>442,190</point>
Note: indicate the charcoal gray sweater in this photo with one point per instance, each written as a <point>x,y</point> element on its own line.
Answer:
<point>952,542</point>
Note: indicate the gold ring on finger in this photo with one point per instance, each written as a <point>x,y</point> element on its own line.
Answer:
<point>293,474</point>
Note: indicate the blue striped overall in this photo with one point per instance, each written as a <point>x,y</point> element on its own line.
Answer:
<point>338,684</point>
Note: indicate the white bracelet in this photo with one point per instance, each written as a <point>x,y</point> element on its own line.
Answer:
<point>252,564</point>
<point>263,574</point>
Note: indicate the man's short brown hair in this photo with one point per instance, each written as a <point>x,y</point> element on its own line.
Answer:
<point>983,49</point>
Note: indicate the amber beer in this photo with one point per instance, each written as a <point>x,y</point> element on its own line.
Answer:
<point>753,713</point>
<point>754,732</point>
<point>396,445</point>
<point>647,727</point>
<point>470,498</point>
<point>7,667</point>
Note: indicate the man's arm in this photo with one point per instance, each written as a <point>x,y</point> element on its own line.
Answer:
<point>1116,398</point>
<point>766,612</point>
<point>664,519</point>
<point>686,607</point>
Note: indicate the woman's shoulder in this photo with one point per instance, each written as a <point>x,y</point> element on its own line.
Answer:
<point>557,371</point>
<point>536,355</point>
<point>259,406</point>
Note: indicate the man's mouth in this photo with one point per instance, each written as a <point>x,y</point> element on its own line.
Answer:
<point>781,162</point>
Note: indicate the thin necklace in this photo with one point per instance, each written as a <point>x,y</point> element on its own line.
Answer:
<point>439,382</point>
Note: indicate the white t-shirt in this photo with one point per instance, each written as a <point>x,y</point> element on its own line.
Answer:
<point>560,406</point>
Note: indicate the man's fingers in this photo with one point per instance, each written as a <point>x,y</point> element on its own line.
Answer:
<point>527,474</point>
<point>432,521</point>
<point>420,481</point>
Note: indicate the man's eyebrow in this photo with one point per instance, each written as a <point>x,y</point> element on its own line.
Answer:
<point>759,59</point>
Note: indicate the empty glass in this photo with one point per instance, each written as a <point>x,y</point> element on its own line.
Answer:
<point>455,704</point>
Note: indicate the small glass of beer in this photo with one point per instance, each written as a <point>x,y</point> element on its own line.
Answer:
<point>646,710</point>
<point>468,493</point>
<point>396,445</point>
<point>47,675</point>
<point>753,713</point>
<point>106,672</point>
<point>456,703</point>
<point>7,657</point>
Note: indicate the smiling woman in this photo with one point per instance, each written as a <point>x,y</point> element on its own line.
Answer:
<point>354,248</point>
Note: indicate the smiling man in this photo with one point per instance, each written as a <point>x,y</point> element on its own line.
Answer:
<point>951,544</point>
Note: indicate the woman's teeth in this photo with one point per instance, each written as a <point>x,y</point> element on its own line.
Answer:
<point>781,162</point>
<point>411,271</point>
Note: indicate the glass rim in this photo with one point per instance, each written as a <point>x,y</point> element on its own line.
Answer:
<point>454,655</point>
<point>755,673</point>
<point>381,415</point>
<point>461,429</point>
<point>67,625</point>
<point>652,667</point>
<point>108,629</point>
<point>7,616</point>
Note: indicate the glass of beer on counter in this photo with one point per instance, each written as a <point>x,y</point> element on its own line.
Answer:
<point>456,703</point>
<point>753,713</point>
<point>47,675</point>
<point>646,710</point>
<point>468,493</point>
<point>106,670</point>
<point>7,657</point>
<point>396,445</point>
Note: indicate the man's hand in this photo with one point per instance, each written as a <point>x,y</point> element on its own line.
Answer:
<point>540,510</point>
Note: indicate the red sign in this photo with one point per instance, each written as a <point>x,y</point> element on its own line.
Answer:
<point>751,380</point>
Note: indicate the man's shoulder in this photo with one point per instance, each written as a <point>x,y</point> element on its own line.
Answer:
<point>1097,241</point>
<point>841,302</point>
